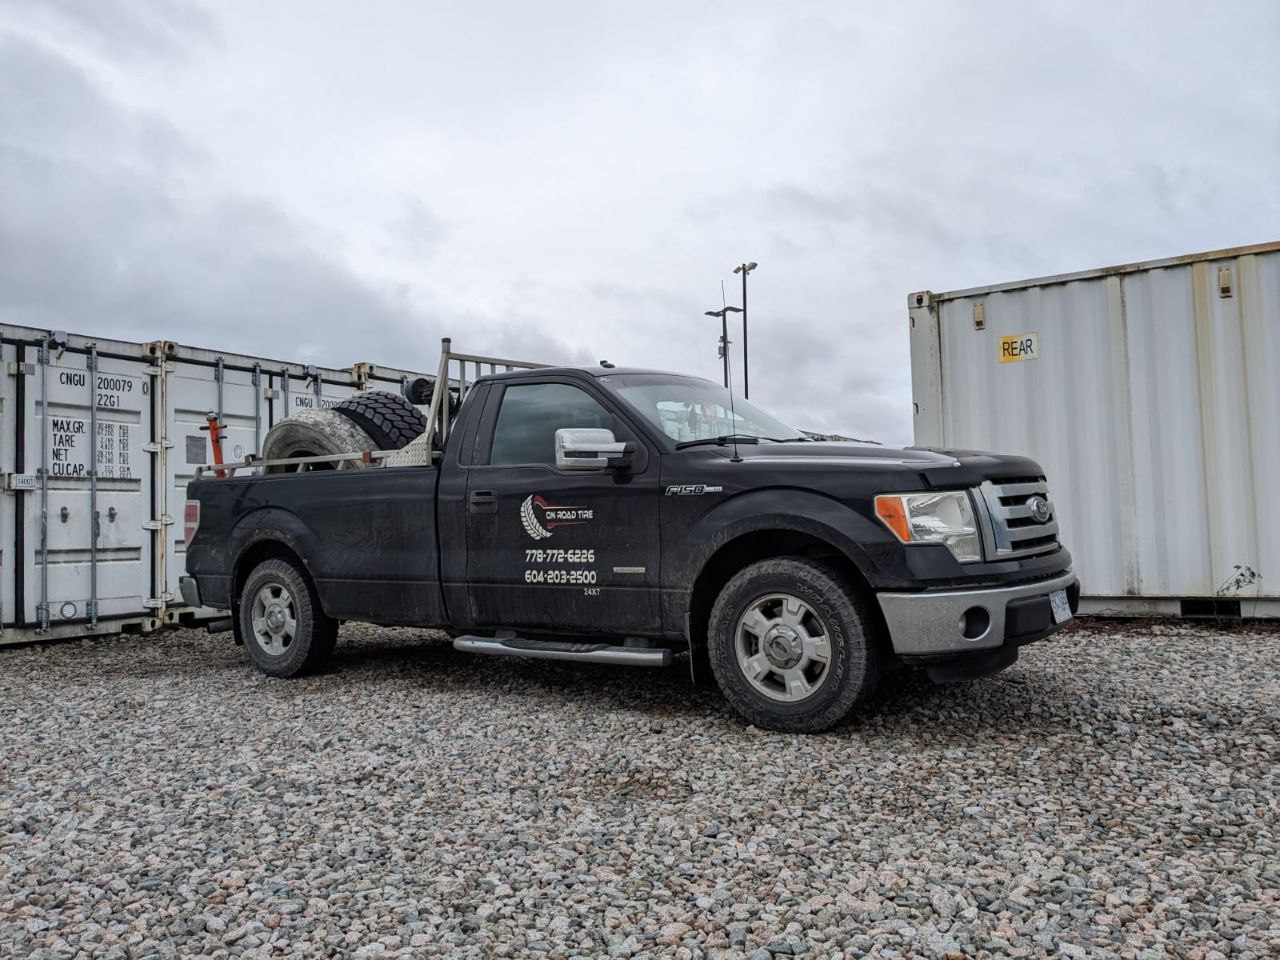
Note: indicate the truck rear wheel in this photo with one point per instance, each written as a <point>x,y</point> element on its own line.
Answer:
<point>284,629</point>
<point>792,645</point>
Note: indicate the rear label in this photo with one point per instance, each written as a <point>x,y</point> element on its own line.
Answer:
<point>1019,346</point>
<point>196,446</point>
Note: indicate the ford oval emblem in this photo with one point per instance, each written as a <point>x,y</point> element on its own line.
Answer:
<point>1040,509</point>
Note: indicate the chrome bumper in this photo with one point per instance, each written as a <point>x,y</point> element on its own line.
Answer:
<point>933,623</point>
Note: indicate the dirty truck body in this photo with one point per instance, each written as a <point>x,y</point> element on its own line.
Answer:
<point>608,515</point>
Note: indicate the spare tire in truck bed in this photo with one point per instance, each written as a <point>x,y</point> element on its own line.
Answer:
<point>315,433</point>
<point>390,419</point>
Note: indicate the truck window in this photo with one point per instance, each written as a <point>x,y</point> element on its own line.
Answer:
<point>531,414</point>
<point>686,408</point>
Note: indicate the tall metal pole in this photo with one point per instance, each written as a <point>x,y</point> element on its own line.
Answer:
<point>746,381</point>
<point>745,268</point>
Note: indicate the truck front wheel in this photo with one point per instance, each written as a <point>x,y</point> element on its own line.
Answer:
<point>792,645</point>
<point>284,629</point>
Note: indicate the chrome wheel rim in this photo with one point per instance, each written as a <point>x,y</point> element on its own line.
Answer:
<point>274,619</point>
<point>783,648</point>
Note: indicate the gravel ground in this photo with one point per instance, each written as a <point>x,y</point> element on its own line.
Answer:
<point>1114,794</point>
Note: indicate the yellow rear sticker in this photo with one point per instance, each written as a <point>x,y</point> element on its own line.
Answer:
<point>1020,346</point>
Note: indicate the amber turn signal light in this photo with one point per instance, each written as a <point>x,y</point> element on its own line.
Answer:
<point>894,516</point>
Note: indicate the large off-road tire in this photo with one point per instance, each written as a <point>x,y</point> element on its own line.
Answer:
<point>390,419</point>
<point>793,645</point>
<point>285,631</point>
<point>315,433</point>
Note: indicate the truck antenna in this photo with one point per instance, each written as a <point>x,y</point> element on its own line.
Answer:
<point>728,366</point>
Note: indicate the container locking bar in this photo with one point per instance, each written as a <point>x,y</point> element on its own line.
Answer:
<point>95,529</point>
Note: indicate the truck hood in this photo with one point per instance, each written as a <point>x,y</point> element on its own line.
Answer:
<point>854,454</point>
<point>940,467</point>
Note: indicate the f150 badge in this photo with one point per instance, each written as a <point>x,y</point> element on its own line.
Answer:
<point>553,515</point>
<point>691,489</point>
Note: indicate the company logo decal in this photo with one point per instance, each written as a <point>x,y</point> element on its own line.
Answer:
<point>540,518</point>
<point>1040,509</point>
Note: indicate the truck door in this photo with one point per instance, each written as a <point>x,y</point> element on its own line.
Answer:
<point>560,549</point>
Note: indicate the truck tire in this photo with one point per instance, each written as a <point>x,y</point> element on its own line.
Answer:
<point>315,433</point>
<point>793,646</point>
<point>285,631</point>
<point>391,420</point>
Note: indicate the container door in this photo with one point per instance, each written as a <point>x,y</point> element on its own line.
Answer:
<point>10,412</point>
<point>194,389</point>
<point>62,577</point>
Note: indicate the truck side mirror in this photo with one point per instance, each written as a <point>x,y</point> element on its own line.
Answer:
<point>589,449</point>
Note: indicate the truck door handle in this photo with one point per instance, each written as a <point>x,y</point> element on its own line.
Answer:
<point>482,501</point>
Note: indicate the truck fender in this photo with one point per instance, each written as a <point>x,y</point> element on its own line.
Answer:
<point>262,526</point>
<point>778,509</point>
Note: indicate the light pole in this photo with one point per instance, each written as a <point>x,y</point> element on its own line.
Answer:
<point>724,336</point>
<point>744,269</point>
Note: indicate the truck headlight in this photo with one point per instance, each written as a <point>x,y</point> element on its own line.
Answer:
<point>944,517</point>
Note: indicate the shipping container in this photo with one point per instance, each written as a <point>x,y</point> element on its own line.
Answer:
<point>1150,394</point>
<point>85,552</point>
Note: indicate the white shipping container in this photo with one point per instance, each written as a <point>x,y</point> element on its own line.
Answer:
<point>84,554</point>
<point>1150,394</point>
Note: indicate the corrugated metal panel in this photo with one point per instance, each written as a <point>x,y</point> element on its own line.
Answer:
<point>1153,404</point>
<point>79,557</point>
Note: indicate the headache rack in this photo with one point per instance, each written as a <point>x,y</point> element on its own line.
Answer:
<point>458,370</point>
<point>441,413</point>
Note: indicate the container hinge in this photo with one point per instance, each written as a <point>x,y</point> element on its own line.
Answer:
<point>157,603</point>
<point>42,617</point>
<point>164,521</point>
<point>157,446</point>
<point>91,611</point>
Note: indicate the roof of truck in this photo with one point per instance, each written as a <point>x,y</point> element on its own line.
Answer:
<point>596,371</point>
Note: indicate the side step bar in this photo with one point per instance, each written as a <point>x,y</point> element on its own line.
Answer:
<point>557,650</point>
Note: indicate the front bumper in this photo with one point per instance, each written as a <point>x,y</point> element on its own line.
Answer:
<point>935,624</point>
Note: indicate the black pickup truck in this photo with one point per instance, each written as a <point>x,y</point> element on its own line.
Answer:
<point>627,516</point>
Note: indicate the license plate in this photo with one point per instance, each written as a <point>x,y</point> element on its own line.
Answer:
<point>1061,607</point>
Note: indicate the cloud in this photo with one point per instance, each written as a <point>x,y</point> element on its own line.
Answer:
<point>128,29</point>
<point>108,229</point>
<point>572,185</point>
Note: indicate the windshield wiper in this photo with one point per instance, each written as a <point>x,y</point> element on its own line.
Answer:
<point>721,440</point>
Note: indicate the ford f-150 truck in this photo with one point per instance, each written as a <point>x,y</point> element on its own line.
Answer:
<point>628,516</point>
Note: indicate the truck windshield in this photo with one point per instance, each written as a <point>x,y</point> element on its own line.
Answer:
<point>686,408</point>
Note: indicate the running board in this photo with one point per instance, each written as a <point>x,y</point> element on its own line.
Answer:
<point>557,650</point>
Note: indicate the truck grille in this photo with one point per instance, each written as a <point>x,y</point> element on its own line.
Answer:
<point>1013,528</point>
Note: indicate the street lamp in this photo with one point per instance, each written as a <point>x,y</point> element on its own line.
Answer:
<point>724,336</point>
<point>744,269</point>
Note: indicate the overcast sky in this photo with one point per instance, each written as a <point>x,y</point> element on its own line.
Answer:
<point>333,182</point>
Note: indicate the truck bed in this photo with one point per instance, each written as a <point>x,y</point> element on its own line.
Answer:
<point>367,536</point>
